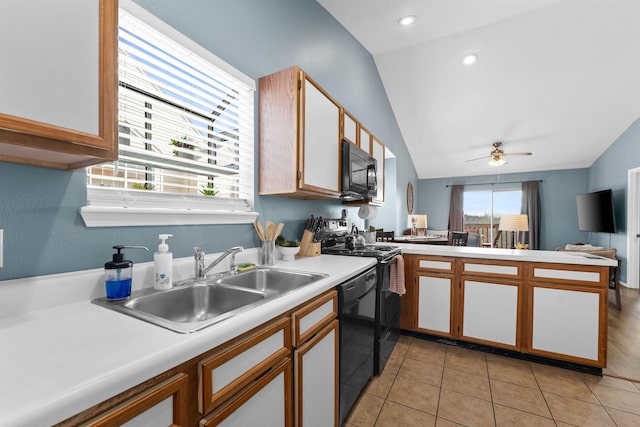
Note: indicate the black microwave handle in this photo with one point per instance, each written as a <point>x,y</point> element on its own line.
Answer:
<point>372,173</point>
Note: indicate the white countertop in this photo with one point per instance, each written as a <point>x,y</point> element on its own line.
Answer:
<point>59,360</point>
<point>556,257</point>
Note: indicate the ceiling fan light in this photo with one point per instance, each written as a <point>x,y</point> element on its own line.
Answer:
<point>496,161</point>
<point>407,20</point>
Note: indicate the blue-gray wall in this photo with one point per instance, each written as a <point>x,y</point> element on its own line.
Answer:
<point>610,171</point>
<point>43,232</point>
<point>558,189</point>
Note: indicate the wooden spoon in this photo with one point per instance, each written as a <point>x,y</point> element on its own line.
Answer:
<point>271,229</point>
<point>259,230</point>
<point>278,230</point>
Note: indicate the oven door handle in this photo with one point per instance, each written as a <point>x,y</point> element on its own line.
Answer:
<point>389,261</point>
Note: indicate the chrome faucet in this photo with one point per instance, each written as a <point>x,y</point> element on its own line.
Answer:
<point>201,271</point>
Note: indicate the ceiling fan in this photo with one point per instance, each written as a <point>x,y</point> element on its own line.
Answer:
<point>497,155</point>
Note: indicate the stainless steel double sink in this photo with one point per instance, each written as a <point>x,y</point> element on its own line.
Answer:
<point>192,305</point>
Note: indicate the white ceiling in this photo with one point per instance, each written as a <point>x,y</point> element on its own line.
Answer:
<point>559,78</point>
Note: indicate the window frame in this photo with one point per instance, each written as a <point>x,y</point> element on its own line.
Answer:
<point>492,189</point>
<point>112,207</point>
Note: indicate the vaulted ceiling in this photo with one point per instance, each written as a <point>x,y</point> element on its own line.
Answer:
<point>559,78</point>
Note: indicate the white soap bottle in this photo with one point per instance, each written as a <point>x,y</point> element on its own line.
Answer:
<point>163,265</point>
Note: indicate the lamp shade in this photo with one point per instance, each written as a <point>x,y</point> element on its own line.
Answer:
<point>519,222</point>
<point>420,221</point>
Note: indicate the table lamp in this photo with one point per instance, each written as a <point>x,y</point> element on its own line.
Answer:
<point>416,222</point>
<point>513,223</point>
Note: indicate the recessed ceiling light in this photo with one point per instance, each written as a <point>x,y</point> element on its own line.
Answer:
<point>470,59</point>
<point>407,20</point>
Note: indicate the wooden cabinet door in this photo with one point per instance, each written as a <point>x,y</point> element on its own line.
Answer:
<point>349,127</point>
<point>225,373</point>
<point>316,379</point>
<point>266,402</point>
<point>163,405</point>
<point>377,151</point>
<point>567,312</point>
<point>59,83</point>
<point>435,303</point>
<point>320,142</point>
<point>364,138</point>
<point>490,312</point>
<point>568,324</point>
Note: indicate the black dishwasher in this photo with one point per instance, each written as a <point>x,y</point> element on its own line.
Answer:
<point>357,313</point>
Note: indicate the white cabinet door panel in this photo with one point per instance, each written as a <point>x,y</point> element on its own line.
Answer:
<point>434,303</point>
<point>350,129</point>
<point>321,139</point>
<point>490,312</point>
<point>160,414</point>
<point>265,408</point>
<point>53,79</point>
<point>566,322</point>
<point>318,364</point>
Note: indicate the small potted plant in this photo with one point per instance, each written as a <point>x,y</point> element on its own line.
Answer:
<point>287,248</point>
<point>208,190</point>
<point>145,186</point>
<point>183,142</point>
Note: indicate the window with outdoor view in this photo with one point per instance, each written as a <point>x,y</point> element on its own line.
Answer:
<point>185,124</point>
<point>482,212</point>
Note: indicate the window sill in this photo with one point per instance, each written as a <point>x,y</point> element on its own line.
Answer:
<point>122,208</point>
<point>101,216</point>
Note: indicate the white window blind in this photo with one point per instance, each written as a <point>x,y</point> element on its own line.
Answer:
<point>185,124</point>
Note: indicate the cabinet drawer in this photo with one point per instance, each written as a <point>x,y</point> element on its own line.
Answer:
<point>225,373</point>
<point>582,275</point>
<point>442,264</point>
<point>492,268</point>
<point>266,402</point>
<point>314,316</point>
<point>164,404</point>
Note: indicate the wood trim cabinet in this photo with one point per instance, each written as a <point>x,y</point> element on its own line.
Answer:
<point>349,127</point>
<point>557,311</point>
<point>299,137</point>
<point>82,128</point>
<point>164,404</point>
<point>377,151</point>
<point>316,362</point>
<point>266,402</point>
<point>567,312</point>
<point>227,372</point>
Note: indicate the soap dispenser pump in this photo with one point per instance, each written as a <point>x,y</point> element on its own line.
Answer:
<point>163,265</point>
<point>118,273</point>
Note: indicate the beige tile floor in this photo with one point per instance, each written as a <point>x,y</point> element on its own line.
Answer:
<point>431,384</point>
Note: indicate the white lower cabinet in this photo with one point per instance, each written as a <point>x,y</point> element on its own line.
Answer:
<point>490,313</point>
<point>162,405</point>
<point>316,378</point>
<point>316,367</point>
<point>266,402</point>
<point>566,322</point>
<point>435,295</point>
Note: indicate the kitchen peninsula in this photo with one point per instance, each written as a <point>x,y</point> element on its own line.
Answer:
<point>536,303</point>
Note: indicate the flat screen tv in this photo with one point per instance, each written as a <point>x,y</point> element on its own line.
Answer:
<point>595,212</point>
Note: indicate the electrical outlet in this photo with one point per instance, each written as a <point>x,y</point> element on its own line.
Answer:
<point>1,246</point>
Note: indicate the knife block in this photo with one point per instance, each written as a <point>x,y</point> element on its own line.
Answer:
<point>307,246</point>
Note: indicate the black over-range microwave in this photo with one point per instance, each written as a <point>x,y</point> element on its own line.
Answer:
<point>358,173</point>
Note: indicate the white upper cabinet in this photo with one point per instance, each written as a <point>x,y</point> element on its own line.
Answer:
<point>321,139</point>
<point>349,127</point>
<point>299,137</point>
<point>58,82</point>
<point>376,151</point>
